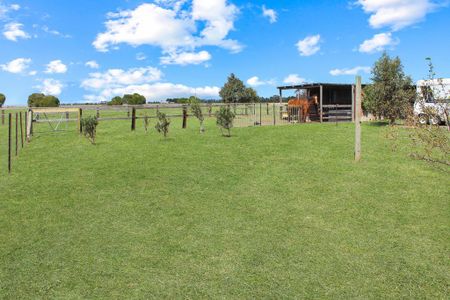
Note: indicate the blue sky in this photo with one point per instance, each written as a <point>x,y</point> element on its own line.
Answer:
<point>93,50</point>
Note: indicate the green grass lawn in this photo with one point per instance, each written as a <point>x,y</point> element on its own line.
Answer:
<point>273,212</point>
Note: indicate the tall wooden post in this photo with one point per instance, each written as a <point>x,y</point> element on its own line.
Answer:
<point>184,116</point>
<point>29,125</point>
<point>321,104</point>
<point>98,113</point>
<point>210,109</point>
<point>133,119</point>
<point>9,142</point>
<point>358,120</point>
<point>17,133</point>
<point>260,114</point>
<point>80,125</point>
<point>274,115</point>
<point>21,129</point>
<point>267,108</point>
<point>281,96</point>
<point>353,103</point>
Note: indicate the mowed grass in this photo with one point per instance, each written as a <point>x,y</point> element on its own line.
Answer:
<point>273,212</point>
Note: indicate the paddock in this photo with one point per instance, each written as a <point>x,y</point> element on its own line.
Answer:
<point>336,100</point>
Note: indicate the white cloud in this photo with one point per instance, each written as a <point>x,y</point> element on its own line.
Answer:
<point>17,66</point>
<point>309,45</point>
<point>396,14</point>
<point>145,81</point>
<point>294,79</point>
<point>56,66</point>
<point>173,28</point>
<point>270,14</point>
<point>352,71</point>
<point>50,87</point>
<point>115,78</point>
<point>13,31</point>
<point>185,58</point>
<point>92,64</point>
<point>32,73</point>
<point>255,81</point>
<point>141,56</point>
<point>378,43</point>
<point>55,32</point>
<point>5,9</point>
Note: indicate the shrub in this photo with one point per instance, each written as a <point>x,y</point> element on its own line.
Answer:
<point>89,125</point>
<point>162,126</point>
<point>225,118</point>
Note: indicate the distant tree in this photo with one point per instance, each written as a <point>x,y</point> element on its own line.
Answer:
<point>225,118</point>
<point>2,99</point>
<point>134,99</point>
<point>116,101</point>
<point>197,111</point>
<point>162,126</point>
<point>41,100</point>
<point>235,91</point>
<point>392,92</point>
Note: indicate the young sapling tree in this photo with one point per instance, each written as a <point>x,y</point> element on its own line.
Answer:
<point>197,112</point>
<point>162,126</point>
<point>89,125</point>
<point>225,118</point>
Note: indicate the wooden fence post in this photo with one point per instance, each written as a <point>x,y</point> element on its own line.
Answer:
<point>358,120</point>
<point>184,117</point>
<point>3,117</point>
<point>267,108</point>
<point>80,125</point>
<point>17,133</point>
<point>210,109</point>
<point>133,119</point>
<point>29,125</point>
<point>274,115</point>
<point>9,142</point>
<point>21,129</point>
<point>98,113</point>
<point>260,114</point>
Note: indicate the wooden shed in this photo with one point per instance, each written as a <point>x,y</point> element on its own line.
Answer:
<point>336,100</point>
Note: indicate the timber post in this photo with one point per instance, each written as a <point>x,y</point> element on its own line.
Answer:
<point>133,119</point>
<point>9,142</point>
<point>185,116</point>
<point>321,103</point>
<point>358,120</point>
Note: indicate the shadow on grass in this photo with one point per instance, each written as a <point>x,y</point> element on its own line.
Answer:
<point>378,123</point>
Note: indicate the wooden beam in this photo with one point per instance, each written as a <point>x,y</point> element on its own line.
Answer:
<point>358,120</point>
<point>353,102</point>
<point>321,103</point>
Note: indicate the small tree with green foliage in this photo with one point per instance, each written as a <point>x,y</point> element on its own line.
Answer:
<point>392,93</point>
<point>2,99</point>
<point>162,126</point>
<point>89,125</point>
<point>197,112</point>
<point>225,118</point>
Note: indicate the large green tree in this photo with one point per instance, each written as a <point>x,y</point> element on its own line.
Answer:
<point>235,91</point>
<point>392,92</point>
<point>117,100</point>
<point>2,99</point>
<point>134,99</point>
<point>41,100</point>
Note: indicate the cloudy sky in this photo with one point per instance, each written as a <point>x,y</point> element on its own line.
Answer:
<point>89,50</point>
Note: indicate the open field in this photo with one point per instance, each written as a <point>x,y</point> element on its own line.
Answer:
<point>273,212</point>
